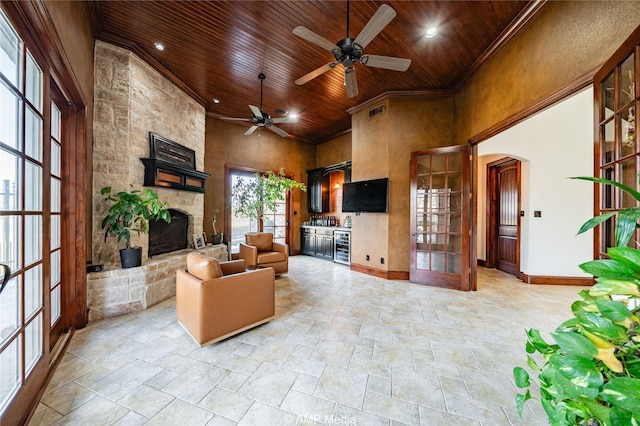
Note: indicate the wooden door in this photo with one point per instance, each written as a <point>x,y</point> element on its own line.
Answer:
<point>441,218</point>
<point>503,231</point>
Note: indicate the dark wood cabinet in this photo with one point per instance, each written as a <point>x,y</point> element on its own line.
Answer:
<point>308,242</point>
<point>317,191</point>
<point>317,242</point>
<point>347,172</point>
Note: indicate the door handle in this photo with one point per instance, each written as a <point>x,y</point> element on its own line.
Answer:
<point>414,234</point>
<point>6,271</point>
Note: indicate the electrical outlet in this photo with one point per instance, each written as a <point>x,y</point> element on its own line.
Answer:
<point>382,260</point>
<point>367,258</point>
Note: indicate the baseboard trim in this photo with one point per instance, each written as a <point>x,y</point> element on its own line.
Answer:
<point>387,275</point>
<point>550,280</point>
<point>482,262</point>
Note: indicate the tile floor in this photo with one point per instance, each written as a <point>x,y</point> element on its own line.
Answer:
<point>344,348</point>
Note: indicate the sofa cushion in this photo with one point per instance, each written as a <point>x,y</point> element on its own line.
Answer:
<point>271,257</point>
<point>263,241</point>
<point>203,267</point>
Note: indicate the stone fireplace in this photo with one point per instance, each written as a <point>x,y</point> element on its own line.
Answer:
<point>131,100</point>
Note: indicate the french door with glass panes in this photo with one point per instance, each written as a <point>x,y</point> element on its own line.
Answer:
<point>441,253</point>
<point>272,221</point>
<point>617,100</point>
<point>31,142</point>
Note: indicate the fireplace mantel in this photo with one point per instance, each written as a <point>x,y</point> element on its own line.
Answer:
<point>162,173</point>
<point>172,166</point>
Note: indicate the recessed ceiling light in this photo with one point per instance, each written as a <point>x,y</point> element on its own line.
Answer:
<point>216,101</point>
<point>293,115</point>
<point>159,46</point>
<point>431,32</point>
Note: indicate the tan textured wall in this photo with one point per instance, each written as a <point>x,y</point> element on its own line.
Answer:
<point>418,124</point>
<point>264,150</point>
<point>382,147</point>
<point>563,42</point>
<point>370,150</point>
<point>334,151</point>
<point>73,26</point>
<point>131,100</point>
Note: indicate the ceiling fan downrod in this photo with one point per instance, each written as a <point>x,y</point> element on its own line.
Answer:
<point>261,76</point>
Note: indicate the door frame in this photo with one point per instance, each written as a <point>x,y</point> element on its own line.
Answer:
<point>492,212</point>
<point>228,185</point>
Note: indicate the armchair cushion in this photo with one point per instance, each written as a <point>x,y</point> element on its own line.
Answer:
<point>203,267</point>
<point>263,241</point>
<point>270,257</point>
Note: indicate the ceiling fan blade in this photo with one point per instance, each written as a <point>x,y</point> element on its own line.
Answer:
<point>250,131</point>
<point>350,80</point>
<point>386,62</point>
<point>256,111</point>
<point>313,74</point>
<point>314,38</point>
<point>378,21</point>
<point>278,131</point>
<point>235,119</point>
<point>284,120</point>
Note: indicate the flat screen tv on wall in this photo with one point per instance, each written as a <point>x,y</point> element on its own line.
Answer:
<point>367,196</point>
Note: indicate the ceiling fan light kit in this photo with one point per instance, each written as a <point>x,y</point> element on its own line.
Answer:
<point>348,51</point>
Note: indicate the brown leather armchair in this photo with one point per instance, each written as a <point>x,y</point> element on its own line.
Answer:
<point>216,300</point>
<point>260,251</point>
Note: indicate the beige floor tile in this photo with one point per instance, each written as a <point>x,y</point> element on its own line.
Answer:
<point>44,416</point>
<point>261,414</point>
<point>146,401</point>
<point>391,408</point>
<point>101,411</point>
<point>67,398</point>
<point>307,406</point>
<point>226,404</point>
<point>180,413</point>
<point>346,387</point>
<point>269,384</point>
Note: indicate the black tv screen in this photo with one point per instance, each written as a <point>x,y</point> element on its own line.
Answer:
<point>368,196</point>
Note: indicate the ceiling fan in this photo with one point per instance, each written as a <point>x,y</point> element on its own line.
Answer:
<point>261,118</point>
<point>348,51</point>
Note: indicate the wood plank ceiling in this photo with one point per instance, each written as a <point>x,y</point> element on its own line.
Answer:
<point>216,49</point>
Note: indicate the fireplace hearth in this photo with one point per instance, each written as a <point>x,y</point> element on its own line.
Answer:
<point>167,237</point>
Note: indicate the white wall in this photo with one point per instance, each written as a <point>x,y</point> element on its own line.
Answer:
<point>552,145</point>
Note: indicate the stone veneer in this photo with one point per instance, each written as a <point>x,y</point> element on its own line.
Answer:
<point>120,291</point>
<point>131,100</point>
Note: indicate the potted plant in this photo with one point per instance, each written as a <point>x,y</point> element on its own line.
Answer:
<point>590,374</point>
<point>130,212</point>
<point>253,198</point>
<point>216,238</point>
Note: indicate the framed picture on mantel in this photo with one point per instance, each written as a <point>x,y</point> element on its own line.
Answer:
<point>198,241</point>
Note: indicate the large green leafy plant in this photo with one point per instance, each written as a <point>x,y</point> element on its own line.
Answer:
<point>254,197</point>
<point>590,373</point>
<point>130,212</point>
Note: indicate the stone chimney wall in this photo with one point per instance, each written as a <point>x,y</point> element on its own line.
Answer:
<point>131,100</point>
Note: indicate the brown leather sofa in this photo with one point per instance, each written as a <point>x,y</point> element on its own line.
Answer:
<point>260,251</point>
<point>215,300</point>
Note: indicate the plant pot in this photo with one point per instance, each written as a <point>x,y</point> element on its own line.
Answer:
<point>131,257</point>
<point>217,238</point>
